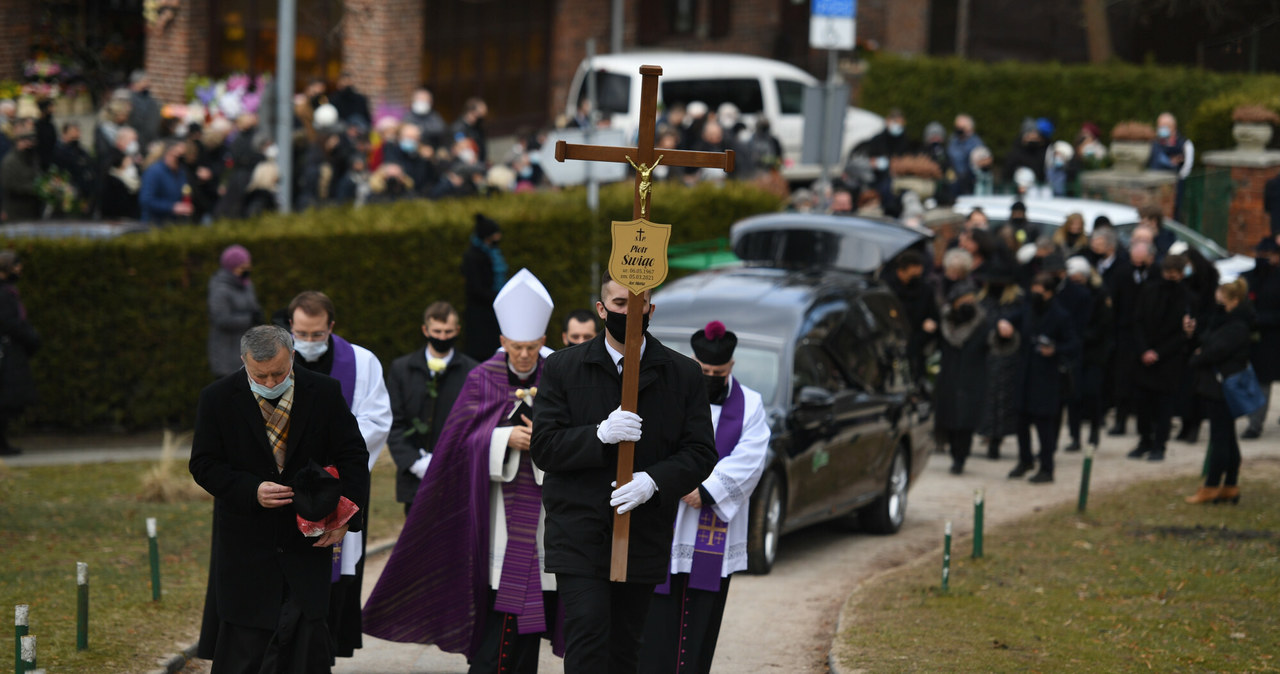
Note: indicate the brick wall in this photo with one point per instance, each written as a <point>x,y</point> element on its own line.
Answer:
<point>15,36</point>
<point>180,49</point>
<point>382,48</point>
<point>907,27</point>
<point>1249,221</point>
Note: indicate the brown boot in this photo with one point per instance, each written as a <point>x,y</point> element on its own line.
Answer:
<point>1204,495</point>
<point>1226,494</point>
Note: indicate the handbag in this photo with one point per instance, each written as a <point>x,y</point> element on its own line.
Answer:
<point>1242,392</point>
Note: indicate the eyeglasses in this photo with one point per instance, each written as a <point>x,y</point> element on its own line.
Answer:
<point>312,336</point>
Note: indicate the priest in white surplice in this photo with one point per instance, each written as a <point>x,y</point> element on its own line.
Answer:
<point>710,540</point>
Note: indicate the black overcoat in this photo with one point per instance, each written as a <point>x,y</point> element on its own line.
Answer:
<point>1157,326</point>
<point>580,386</point>
<point>1264,288</point>
<point>407,383</point>
<point>254,548</point>
<point>960,393</point>
<point>1042,378</point>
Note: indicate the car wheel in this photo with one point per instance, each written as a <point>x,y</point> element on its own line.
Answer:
<point>765,526</point>
<point>886,514</point>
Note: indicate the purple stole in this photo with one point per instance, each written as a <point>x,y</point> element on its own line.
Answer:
<point>708,549</point>
<point>520,585</point>
<point>344,370</point>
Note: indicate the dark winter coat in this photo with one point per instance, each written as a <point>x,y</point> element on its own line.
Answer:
<point>1124,300</point>
<point>919,304</point>
<point>960,392</point>
<point>407,383</point>
<point>1098,337</point>
<point>580,386</point>
<point>1000,414</point>
<point>479,321</point>
<point>1264,288</point>
<point>233,309</point>
<point>19,171</point>
<point>18,340</point>
<point>1042,379</point>
<point>254,548</point>
<point>1157,326</point>
<point>1223,351</point>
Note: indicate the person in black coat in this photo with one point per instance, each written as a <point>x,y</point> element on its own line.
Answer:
<point>960,391</point>
<point>1222,352</point>
<point>1161,346</point>
<point>1200,278</point>
<point>1089,306</point>
<point>1004,303</point>
<point>1127,281</point>
<point>906,281</point>
<point>484,270</point>
<point>577,424</point>
<point>1049,349</point>
<point>423,385</point>
<point>18,340</point>
<point>1264,292</point>
<point>268,594</point>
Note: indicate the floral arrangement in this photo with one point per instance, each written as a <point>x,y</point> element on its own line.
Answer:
<point>917,166</point>
<point>1133,132</point>
<point>231,97</point>
<point>49,77</point>
<point>1254,114</point>
<point>58,193</point>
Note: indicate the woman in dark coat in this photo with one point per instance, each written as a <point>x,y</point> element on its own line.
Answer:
<point>1049,349</point>
<point>1223,351</point>
<point>1003,302</point>
<point>961,390</point>
<point>485,271</point>
<point>1264,291</point>
<point>18,340</point>
<point>1201,282</point>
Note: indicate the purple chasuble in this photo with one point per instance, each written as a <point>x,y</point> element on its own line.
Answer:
<point>435,586</point>
<point>344,368</point>
<point>708,548</point>
<point>520,588</point>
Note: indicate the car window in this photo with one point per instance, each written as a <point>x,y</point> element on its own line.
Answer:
<point>815,367</point>
<point>757,369</point>
<point>744,93</point>
<point>855,345</point>
<point>613,92</point>
<point>891,340</point>
<point>790,97</point>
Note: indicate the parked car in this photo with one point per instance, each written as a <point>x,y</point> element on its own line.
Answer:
<point>825,345</point>
<point>757,86</point>
<point>1051,213</point>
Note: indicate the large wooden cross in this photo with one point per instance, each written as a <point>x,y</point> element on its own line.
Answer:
<point>644,157</point>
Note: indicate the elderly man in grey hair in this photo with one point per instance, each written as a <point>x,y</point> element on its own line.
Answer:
<point>265,436</point>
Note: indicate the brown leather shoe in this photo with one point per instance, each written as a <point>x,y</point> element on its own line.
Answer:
<point>1231,494</point>
<point>1205,495</point>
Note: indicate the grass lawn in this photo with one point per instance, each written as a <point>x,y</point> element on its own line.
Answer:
<point>53,517</point>
<point>1142,582</point>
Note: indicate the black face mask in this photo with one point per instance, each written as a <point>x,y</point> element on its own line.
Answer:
<point>244,274</point>
<point>1039,302</point>
<point>717,388</point>
<point>616,324</point>
<point>442,345</point>
<point>995,289</point>
<point>963,313</point>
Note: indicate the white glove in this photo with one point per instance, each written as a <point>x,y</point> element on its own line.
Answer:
<point>618,427</point>
<point>640,489</point>
<point>419,467</point>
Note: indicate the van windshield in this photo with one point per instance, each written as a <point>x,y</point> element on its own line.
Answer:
<point>744,93</point>
<point>613,92</point>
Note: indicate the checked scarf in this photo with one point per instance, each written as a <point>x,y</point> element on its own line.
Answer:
<point>277,418</point>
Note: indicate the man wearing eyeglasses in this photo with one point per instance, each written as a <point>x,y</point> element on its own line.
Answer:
<point>317,348</point>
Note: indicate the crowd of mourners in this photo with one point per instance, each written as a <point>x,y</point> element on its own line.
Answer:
<point>1032,329</point>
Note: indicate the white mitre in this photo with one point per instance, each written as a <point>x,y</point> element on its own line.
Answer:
<point>523,307</point>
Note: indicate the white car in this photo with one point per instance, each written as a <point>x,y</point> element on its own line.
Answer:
<point>1050,213</point>
<point>757,86</point>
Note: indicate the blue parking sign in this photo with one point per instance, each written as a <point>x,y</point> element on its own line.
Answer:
<point>836,8</point>
<point>832,24</point>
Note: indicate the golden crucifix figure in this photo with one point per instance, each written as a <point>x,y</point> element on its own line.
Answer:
<point>645,185</point>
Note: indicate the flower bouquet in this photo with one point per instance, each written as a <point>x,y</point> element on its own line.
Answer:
<point>58,193</point>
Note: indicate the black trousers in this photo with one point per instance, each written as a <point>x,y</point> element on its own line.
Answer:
<point>961,443</point>
<point>1224,450</point>
<point>603,623</point>
<point>1047,433</point>
<point>1088,406</point>
<point>298,645</point>
<point>1155,414</point>
<point>682,629</point>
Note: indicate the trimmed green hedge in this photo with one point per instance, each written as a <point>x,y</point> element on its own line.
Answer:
<point>124,321</point>
<point>1000,95</point>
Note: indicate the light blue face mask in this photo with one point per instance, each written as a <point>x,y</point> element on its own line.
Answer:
<point>273,392</point>
<point>311,351</point>
<point>1164,132</point>
<point>408,146</point>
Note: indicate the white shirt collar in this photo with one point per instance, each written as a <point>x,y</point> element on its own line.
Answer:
<point>616,356</point>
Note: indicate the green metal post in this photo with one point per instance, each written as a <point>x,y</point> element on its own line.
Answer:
<point>946,560</point>
<point>21,628</point>
<point>28,653</point>
<point>82,606</point>
<point>1084,479</point>
<point>154,550</point>
<point>979,496</point>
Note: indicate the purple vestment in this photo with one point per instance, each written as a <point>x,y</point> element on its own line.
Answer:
<point>434,589</point>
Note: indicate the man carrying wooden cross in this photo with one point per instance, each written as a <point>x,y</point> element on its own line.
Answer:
<point>577,426</point>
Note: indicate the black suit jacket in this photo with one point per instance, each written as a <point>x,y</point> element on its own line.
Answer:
<point>407,382</point>
<point>255,549</point>
<point>579,387</point>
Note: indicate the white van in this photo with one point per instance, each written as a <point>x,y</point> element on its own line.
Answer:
<point>758,86</point>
